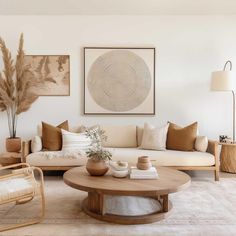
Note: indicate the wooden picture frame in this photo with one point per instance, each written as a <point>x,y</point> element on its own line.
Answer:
<point>132,69</point>
<point>53,73</point>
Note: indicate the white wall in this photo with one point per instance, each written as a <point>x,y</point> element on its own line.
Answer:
<point>188,49</point>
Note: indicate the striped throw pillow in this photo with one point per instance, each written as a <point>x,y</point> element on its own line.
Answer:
<point>75,141</point>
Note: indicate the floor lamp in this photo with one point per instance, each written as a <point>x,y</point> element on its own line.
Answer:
<point>223,81</point>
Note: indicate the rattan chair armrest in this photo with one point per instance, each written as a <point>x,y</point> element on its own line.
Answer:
<point>14,166</point>
<point>37,169</point>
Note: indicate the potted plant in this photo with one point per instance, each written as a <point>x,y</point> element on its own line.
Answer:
<point>97,155</point>
<point>16,96</point>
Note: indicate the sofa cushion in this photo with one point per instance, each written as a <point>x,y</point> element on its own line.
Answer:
<point>52,137</point>
<point>36,144</point>
<point>182,139</point>
<point>154,138</point>
<point>139,131</point>
<point>201,143</point>
<point>120,136</point>
<point>161,158</point>
<point>164,158</point>
<point>75,141</point>
<point>55,158</point>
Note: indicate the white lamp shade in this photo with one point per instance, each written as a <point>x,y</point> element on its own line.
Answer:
<point>222,81</point>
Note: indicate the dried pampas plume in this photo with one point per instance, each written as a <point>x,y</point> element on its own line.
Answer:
<point>16,81</point>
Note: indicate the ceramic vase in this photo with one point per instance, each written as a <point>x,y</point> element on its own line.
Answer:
<point>13,144</point>
<point>96,167</point>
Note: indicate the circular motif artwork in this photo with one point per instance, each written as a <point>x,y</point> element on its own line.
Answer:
<point>119,80</point>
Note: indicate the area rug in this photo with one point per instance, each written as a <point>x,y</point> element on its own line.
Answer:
<point>205,208</point>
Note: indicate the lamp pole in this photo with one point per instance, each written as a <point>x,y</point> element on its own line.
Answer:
<point>233,93</point>
<point>233,116</point>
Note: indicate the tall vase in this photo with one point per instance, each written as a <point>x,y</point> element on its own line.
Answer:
<point>96,167</point>
<point>13,144</point>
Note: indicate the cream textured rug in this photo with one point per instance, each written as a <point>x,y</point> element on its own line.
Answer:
<point>206,208</point>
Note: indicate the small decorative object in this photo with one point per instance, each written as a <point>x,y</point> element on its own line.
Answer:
<point>119,169</point>
<point>150,173</point>
<point>98,157</point>
<point>222,138</point>
<point>52,73</point>
<point>119,81</point>
<point>144,163</point>
<point>16,95</point>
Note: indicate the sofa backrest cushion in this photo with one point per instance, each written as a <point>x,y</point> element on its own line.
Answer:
<point>123,136</point>
<point>75,141</point>
<point>201,143</point>
<point>154,138</point>
<point>52,137</point>
<point>139,135</point>
<point>182,139</point>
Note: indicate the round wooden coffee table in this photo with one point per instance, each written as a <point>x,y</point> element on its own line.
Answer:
<point>98,188</point>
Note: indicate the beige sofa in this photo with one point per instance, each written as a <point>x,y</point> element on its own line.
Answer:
<point>124,142</point>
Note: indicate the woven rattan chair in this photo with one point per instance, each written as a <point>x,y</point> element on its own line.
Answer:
<point>21,186</point>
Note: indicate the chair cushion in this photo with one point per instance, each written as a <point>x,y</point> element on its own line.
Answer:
<point>15,187</point>
<point>120,136</point>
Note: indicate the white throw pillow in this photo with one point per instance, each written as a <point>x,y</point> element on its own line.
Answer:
<point>75,141</point>
<point>154,137</point>
<point>201,143</point>
<point>36,144</point>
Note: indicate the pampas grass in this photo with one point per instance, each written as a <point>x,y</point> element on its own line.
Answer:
<point>16,81</point>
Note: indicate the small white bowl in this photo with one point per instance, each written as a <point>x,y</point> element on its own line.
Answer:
<point>116,166</point>
<point>120,173</point>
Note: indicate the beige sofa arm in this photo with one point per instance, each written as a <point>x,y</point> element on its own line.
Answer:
<point>26,149</point>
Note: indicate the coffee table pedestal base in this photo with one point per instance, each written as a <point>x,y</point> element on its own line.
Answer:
<point>93,206</point>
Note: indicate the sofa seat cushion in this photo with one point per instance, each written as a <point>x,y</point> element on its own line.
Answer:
<point>55,158</point>
<point>164,158</point>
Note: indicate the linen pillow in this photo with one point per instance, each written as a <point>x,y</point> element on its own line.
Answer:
<point>139,131</point>
<point>201,143</point>
<point>182,139</point>
<point>154,137</point>
<point>51,136</point>
<point>75,141</point>
<point>120,136</point>
<point>36,144</point>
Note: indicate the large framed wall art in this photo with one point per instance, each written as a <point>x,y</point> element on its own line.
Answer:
<point>52,73</point>
<point>119,81</point>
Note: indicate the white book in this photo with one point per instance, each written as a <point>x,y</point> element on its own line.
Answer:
<point>150,171</point>
<point>132,176</point>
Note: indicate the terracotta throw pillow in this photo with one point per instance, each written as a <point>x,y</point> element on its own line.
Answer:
<point>52,137</point>
<point>182,139</point>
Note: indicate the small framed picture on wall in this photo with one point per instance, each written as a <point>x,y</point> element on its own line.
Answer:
<point>119,81</point>
<point>52,73</point>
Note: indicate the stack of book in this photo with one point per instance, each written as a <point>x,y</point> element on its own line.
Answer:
<point>151,173</point>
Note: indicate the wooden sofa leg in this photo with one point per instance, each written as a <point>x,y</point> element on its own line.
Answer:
<point>217,176</point>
